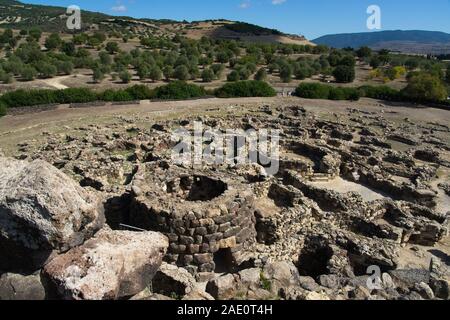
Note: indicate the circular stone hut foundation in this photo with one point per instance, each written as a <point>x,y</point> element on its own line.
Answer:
<point>208,218</point>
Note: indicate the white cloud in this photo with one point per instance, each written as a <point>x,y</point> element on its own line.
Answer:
<point>278,2</point>
<point>119,8</point>
<point>245,5</point>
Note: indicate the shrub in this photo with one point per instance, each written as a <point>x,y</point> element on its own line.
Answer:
<point>53,41</point>
<point>98,75</point>
<point>140,92</point>
<point>207,75</point>
<point>218,69</point>
<point>364,52</point>
<point>65,67</point>
<point>21,98</point>
<point>425,87</point>
<point>351,94</point>
<point>28,73</point>
<point>348,60</point>
<point>76,95</point>
<point>313,91</point>
<point>168,72</point>
<point>47,70</point>
<point>35,33</point>
<point>344,74</point>
<point>375,62</point>
<point>233,76</point>
<point>125,76</point>
<point>155,73</point>
<point>301,73</point>
<point>2,109</point>
<point>261,75</point>
<point>179,90</point>
<point>379,92</point>
<point>244,73</point>
<point>143,71</point>
<point>286,73</point>
<point>322,91</point>
<point>447,75</point>
<point>116,95</point>
<point>246,89</point>
<point>112,47</point>
<point>181,73</point>
<point>336,94</point>
<point>395,72</point>
<point>6,78</point>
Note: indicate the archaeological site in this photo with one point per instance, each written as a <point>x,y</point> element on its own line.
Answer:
<point>147,155</point>
<point>103,212</point>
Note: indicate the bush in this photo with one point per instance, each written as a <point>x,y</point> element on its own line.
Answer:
<point>98,75</point>
<point>313,91</point>
<point>375,62</point>
<point>261,75</point>
<point>380,92</point>
<point>3,109</point>
<point>53,41</point>
<point>125,76</point>
<point>344,74</point>
<point>348,61</point>
<point>286,73</point>
<point>233,76</point>
<point>218,69</point>
<point>447,75</point>
<point>181,73</point>
<point>140,92</point>
<point>168,72</point>
<point>364,52</point>
<point>28,73</point>
<point>6,78</point>
<point>337,93</point>
<point>322,91</point>
<point>179,90</point>
<point>116,95</point>
<point>425,87</point>
<point>21,98</point>
<point>207,75</point>
<point>47,70</point>
<point>246,89</point>
<point>112,47</point>
<point>155,73</point>
<point>76,95</point>
<point>65,67</point>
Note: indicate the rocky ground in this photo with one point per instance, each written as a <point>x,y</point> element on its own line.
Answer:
<point>95,208</point>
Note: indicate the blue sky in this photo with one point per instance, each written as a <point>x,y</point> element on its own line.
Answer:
<point>312,18</point>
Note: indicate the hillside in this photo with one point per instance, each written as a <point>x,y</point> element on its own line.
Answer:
<point>413,41</point>
<point>18,15</point>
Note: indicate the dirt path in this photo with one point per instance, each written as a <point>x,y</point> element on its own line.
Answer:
<point>56,82</point>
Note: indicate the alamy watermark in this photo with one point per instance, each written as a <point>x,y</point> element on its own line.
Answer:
<point>74,17</point>
<point>378,280</point>
<point>229,147</point>
<point>374,20</point>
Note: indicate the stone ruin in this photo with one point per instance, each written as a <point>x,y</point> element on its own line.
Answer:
<point>248,235</point>
<point>208,217</point>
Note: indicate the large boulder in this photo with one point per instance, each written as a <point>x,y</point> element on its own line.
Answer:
<point>112,265</point>
<point>42,211</point>
<point>21,287</point>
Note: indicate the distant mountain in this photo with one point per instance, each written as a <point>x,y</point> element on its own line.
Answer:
<point>18,15</point>
<point>412,41</point>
